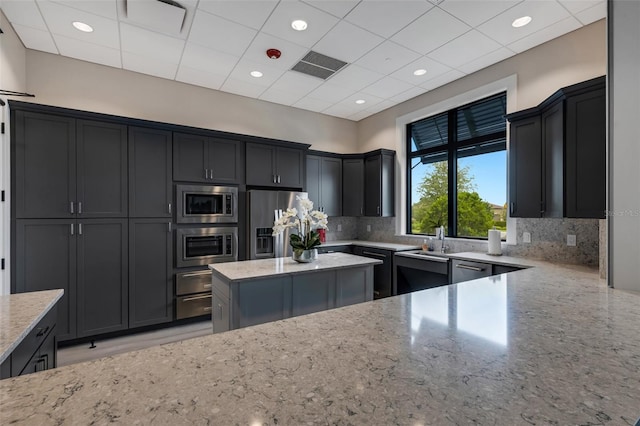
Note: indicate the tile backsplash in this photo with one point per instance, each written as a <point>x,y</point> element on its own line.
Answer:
<point>548,238</point>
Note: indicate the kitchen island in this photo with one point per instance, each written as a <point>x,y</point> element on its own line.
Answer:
<point>258,291</point>
<point>546,345</point>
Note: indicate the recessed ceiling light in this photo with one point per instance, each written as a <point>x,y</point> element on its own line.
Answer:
<point>421,71</point>
<point>256,74</point>
<point>299,25</point>
<point>360,101</point>
<point>521,22</point>
<point>82,27</point>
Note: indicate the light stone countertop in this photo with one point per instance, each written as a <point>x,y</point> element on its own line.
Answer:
<point>251,269</point>
<point>477,257</point>
<point>376,244</point>
<point>20,313</point>
<point>545,345</point>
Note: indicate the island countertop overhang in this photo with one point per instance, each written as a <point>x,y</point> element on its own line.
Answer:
<point>251,269</point>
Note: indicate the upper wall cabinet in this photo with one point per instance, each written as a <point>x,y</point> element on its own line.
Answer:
<point>275,166</point>
<point>379,183</point>
<point>324,183</point>
<point>557,161</point>
<point>150,174</point>
<point>66,167</point>
<point>199,158</point>
<point>352,186</point>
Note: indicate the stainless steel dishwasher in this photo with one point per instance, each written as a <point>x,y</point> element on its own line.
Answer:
<point>464,270</point>
<point>418,270</point>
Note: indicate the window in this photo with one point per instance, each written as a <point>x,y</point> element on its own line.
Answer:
<point>457,168</point>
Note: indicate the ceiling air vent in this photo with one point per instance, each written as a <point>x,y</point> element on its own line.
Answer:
<point>318,65</point>
<point>165,16</point>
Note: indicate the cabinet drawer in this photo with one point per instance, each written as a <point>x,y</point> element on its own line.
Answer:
<point>193,305</point>
<point>193,282</point>
<point>44,358</point>
<point>21,356</point>
<point>464,270</point>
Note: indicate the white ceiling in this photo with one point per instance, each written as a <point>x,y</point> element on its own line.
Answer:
<point>222,41</point>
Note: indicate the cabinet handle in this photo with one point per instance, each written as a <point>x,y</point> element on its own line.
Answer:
<point>169,206</point>
<point>72,229</point>
<point>196,274</point>
<point>469,267</point>
<point>376,293</point>
<point>210,173</point>
<point>42,331</point>
<point>207,286</point>
<point>79,207</point>
<point>79,229</point>
<point>206,308</point>
<point>378,209</point>
<point>169,227</point>
<point>278,178</point>
<point>512,207</point>
<point>273,178</point>
<point>370,253</point>
<point>190,299</point>
<point>361,211</point>
<point>71,207</point>
<point>206,173</point>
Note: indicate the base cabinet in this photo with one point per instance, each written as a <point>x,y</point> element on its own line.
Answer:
<point>257,301</point>
<point>383,274</point>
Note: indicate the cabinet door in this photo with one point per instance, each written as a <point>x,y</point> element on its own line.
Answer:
<point>289,167</point>
<point>353,187</point>
<point>552,121</point>
<point>260,301</point>
<point>260,165</point>
<point>313,180</point>
<point>150,173</point>
<point>45,165</point>
<point>102,276</point>
<point>525,160</point>
<point>225,161</point>
<point>189,158</point>
<point>102,169</point>
<point>45,259</point>
<point>150,272</point>
<point>383,273</point>
<point>372,186</point>
<point>220,313</point>
<point>331,186</point>
<point>586,155</point>
<point>313,292</point>
<point>353,285</point>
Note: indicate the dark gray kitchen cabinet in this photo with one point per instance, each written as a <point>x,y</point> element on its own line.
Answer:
<point>150,272</point>
<point>353,286</point>
<point>261,301</point>
<point>353,187</point>
<point>150,173</point>
<point>201,158</point>
<point>102,279</point>
<point>45,165</point>
<point>383,273</point>
<point>274,166</point>
<point>45,259</point>
<point>101,169</point>
<point>310,293</point>
<point>324,183</point>
<point>379,184</point>
<point>557,155</point>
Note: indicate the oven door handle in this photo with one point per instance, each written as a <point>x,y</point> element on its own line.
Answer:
<point>190,299</point>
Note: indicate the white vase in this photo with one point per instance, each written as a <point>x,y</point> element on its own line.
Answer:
<point>305,256</point>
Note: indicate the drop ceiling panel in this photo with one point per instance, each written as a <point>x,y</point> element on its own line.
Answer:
<point>354,78</point>
<point>380,107</point>
<point>105,8</point>
<point>387,58</point>
<point>442,80</point>
<point>359,115</point>
<point>464,49</point>
<point>201,58</point>
<point>369,101</point>
<point>387,87</point>
<point>430,31</point>
<point>279,23</point>
<point>384,17</point>
<point>338,8</point>
<point>243,88</point>
<point>409,94</point>
<point>433,68</point>
<point>486,60</point>
<point>147,65</point>
<point>59,19</point>
<point>312,104</point>
<point>474,12</point>
<point>291,53</point>
<point>283,97</point>
<point>347,42</point>
<point>575,6</point>
<point>592,14</point>
<point>23,12</point>
<point>157,16</point>
<point>219,34</point>
<point>330,93</point>
<point>252,14</point>
<point>341,111</point>
<point>36,39</point>
<point>150,45</point>
<point>199,77</point>
<point>90,52</point>
<point>543,14</point>
<point>243,69</point>
<point>552,31</point>
<point>296,82</point>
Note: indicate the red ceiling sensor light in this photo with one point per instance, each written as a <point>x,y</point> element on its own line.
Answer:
<point>273,53</point>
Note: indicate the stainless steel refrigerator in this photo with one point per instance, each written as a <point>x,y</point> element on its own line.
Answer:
<point>262,206</point>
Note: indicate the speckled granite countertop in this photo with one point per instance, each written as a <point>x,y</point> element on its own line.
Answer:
<point>20,313</point>
<point>363,243</point>
<point>479,257</point>
<point>251,269</point>
<point>546,345</point>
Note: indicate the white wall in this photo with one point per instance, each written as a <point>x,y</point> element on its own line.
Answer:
<point>60,81</point>
<point>12,77</point>
<point>624,145</point>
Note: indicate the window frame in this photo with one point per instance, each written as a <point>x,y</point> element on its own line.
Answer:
<point>451,148</point>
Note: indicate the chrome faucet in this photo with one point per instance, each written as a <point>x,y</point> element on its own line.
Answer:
<point>442,247</point>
